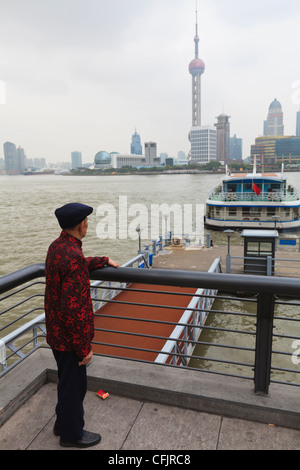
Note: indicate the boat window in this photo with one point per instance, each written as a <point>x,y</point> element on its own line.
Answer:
<point>231,187</point>
<point>271,211</point>
<point>232,211</point>
<point>246,211</point>
<point>275,186</point>
<point>255,210</point>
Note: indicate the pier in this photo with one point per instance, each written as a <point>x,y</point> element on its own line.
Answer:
<point>154,406</point>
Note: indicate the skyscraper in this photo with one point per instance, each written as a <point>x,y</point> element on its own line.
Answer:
<point>151,158</point>
<point>203,144</point>
<point>274,123</point>
<point>136,146</point>
<point>15,160</point>
<point>76,159</point>
<point>223,138</point>
<point>236,148</point>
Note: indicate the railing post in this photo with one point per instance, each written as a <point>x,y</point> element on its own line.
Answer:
<point>270,265</point>
<point>263,348</point>
<point>3,362</point>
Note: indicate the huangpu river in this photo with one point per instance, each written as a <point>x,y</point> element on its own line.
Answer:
<point>28,226</point>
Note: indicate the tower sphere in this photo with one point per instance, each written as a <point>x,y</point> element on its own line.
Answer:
<point>196,67</point>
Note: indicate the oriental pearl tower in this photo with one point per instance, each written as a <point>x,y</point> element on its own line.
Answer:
<point>196,69</point>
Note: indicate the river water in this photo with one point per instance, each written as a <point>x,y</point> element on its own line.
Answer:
<point>28,224</point>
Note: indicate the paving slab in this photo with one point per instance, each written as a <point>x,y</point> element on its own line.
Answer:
<point>237,434</point>
<point>170,428</point>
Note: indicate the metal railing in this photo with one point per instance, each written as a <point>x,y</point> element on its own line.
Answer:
<point>267,266</point>
<point>264,294</point>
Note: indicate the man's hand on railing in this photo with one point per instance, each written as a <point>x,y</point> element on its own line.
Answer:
<point>112,263</point>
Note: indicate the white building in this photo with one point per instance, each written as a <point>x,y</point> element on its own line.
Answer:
<point>203,144</point>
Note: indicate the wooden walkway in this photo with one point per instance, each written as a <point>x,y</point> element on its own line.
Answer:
<point>135,324</point>
<point>108,317</point>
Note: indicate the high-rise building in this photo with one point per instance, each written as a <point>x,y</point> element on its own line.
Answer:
<point>273,150</point>
<point>15,160</point>
<point>273,126</point>
<point>236,148</point>
<point>151,157</point>
<point>136,146</point>
<point>76,159</point>
<point>203,144</point>
<point>223,138</point>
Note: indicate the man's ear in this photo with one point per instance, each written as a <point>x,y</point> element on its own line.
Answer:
<point>81,225</point>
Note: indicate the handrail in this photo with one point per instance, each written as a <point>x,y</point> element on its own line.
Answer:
<point>229,282</point>
<point>15,279</point>
<point>282,285</point>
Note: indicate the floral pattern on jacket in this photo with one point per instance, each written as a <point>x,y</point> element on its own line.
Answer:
<point>68,305</point>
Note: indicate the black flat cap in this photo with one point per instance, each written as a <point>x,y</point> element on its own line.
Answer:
<point>72,214</point>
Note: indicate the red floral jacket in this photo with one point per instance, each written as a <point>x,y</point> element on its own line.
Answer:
<point>68,305</point>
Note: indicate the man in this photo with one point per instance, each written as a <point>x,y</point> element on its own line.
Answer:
<point>70,321</point>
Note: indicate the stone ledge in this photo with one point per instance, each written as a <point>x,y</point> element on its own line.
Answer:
<point>216,394</point>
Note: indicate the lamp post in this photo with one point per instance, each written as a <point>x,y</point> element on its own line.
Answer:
<point>138,230</point>
<point>229,233</point>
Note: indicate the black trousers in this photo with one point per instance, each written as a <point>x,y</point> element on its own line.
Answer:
<point>71,390</point>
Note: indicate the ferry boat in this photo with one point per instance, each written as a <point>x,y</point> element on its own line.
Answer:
<point>253,201</point>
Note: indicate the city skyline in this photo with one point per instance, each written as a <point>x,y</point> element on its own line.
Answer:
<point>82,75</point>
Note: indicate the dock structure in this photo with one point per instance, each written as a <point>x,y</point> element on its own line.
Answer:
<point>199,258</point>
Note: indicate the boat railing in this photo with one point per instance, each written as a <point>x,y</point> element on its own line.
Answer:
<point>251,196</point>
<point>250,355</point>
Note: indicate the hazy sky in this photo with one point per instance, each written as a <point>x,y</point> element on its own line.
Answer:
<point>83,74</point>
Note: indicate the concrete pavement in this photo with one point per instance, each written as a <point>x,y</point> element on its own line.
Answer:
<point>128,424</point>
<point>149,408</point>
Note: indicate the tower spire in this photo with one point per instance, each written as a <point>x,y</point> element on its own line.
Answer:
<point>196,69</point>
<point>196,36</point>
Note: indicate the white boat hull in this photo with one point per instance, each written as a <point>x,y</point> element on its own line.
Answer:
<point>251,224</point>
